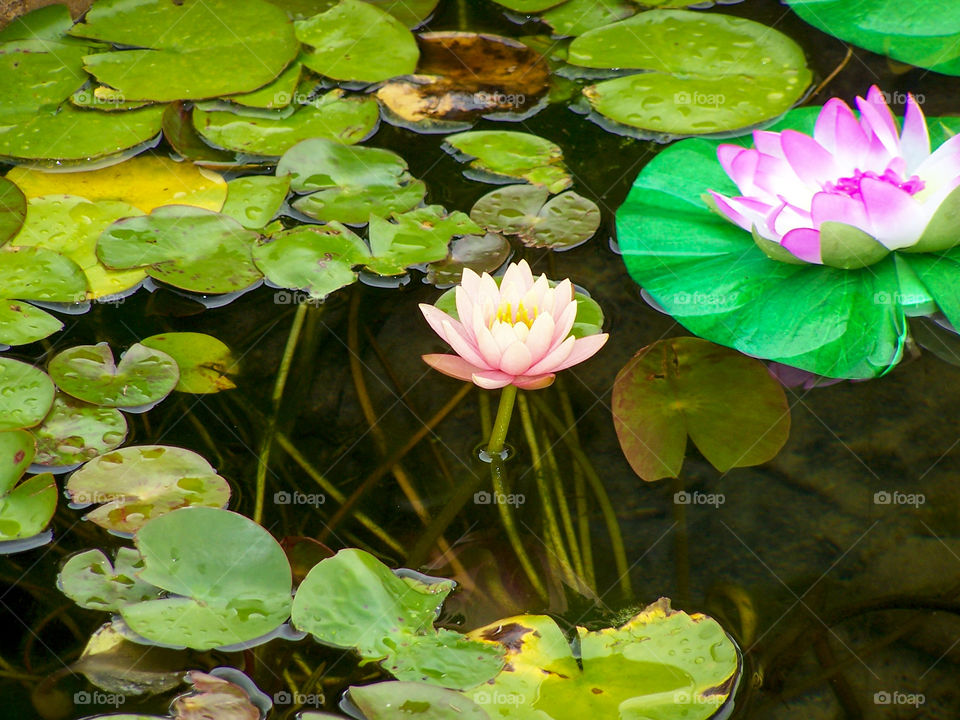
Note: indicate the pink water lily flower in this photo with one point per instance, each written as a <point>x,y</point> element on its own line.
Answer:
<point>514,334</point>
<point>860,172</point>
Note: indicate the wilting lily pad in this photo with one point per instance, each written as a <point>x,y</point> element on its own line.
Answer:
<point>74,432</point>
<point>352,182</point>
<point>146,182</point>
<point>88,372</point>
<point>254,200</point>
<point>354,601</point>
<point>347,120</point>
<point>138,483</point>
<point>703,72</point>
<point>576,17</point>
<point>227,578</point>
<point>355,40</point>
<point>205,363</point>
<point>311,258</point>
<point>505,154</point>
<point>414,238</point>
<point>564,222</point>
<point>216,698</point>
<point>187,247</point>
<point>192,49</point>
<point>26,394</point>
<point>16,453</point>
<point>480,253</point>
<point>661,664</point>
<point>93,582</point>
<point>22,323</point>
<point>735,412</point>
<point>71,226</point>
<point>463,76</point>
<point>13,209</point>
<point>382,700</point>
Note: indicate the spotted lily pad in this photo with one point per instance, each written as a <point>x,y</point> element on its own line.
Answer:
<point>228,581</point>
<point>499,154</point>
<point>138,483</point>
<point>414,238</point>
<point>314,259</point>
<point>254,200</point>
<point>191,49</point>
<point>703,72</point>
<point>731,407</point>
<point>40,74</point>
<point>26,394</point>
<point>480,253</point>
<point>31,273</point>
<point>380,701</point>
<point>355,40</point>
<point>25,509</point>
<point>354,601</point>
<point>74,432</point>
<point>205,363</point>
<point>93,582</point>
<point>566,221</point>
<point>186,247</point>
<point>663,663</point>
<point>16,454</point>
<point>348,184</point>
<point>22,323</point>
<point>88,372</point>
<point>13,209</point>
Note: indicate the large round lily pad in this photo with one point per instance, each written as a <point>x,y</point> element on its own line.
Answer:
<point>228,580</point>
<point>138,483</point>
<point>703,72</point>
<point>192,49</point>
<point>566,221</point>
<point>74,432</point>
<point>355,40</point>
<point>501,154</point>
<point>26,394</point>
<point>88,372</point>
<point>205,363</point>
<point>186,247</point>
<point>662,664</point>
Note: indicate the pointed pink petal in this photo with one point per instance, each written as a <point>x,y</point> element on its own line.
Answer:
<point>726,154</point>
<point>745,212</point>
<point>436,318</point>
<point>943,165</point>
<point>553,359</point>
<point>804,243</point>
<point>790,218</point>
<point>563,325</point>
<point>487,345</point>
<point>830,207</point>
<point>491,379</point>
<point>896,219</point>
<point>727,210</point>
<point>583,348</point>
<point>527,382</point>
<point>825,130</point>
<point>809,160</point>
<point>768,143</point>
<point>540,337</point>
<point>463,346</point>
<point>877,120</point>
<point>452,365</point>
<point>743,169</point>
<point>915,138</point>
<point>516,359</point>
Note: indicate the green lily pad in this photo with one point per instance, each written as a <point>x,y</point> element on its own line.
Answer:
<point>480,253</point>
<point>382,700</point>
<point>32,273</point>
<point>205,363</point>
<point>528,6</point>
<point>89,373</point>
<point>50,22</point>
<point>191,49</point>
<point>42,74</point>
<point>71,225</point>
<point>187,247</point>
<point>228,580</point>
<point>661,664</point>
<point>347,120</point>
<point>352,600</point>
<point>277,94</point>
<point>414,238</point>
<point>704,72</point>
<point>351,183</point>
<point>254,200</point>
<point>74,134</point>
<point>575,17</point>
<point>411,13</point>
<point>26,394</point>
<point>22,323</point>
<point>93,582</point>
<point>139,483</point>
<point>16,453</point>
<point>106,99</point>
<point>924,32</point>
<point>564,222</point>
<point>13,210</point>
<point>735,412</point>
<point>26,510</point>
<point>74,432</point>
<point>712,277</point>
<point>507,154</point>
<point>355,40</point>
<point>315,259</point>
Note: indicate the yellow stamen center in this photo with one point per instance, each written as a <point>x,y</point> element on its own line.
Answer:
<point>513,315</point>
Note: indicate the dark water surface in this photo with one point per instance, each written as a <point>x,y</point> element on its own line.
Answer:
<point>834,597</point>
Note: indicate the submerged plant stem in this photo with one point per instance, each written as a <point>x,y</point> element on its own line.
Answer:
<point>279,386</point>
<point>579,488</point>
<point>681,545</point>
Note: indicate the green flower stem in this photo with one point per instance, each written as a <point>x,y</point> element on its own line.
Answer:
<point>596,484</point>
<point>278,387</point>
<point>579,488</point>
<point>498,437</point>
<point>681,545</point>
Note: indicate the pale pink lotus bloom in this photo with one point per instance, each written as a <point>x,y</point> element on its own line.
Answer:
<point>860,172</point>
<point>514,334</point>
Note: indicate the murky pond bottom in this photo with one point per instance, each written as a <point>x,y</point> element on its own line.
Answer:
<point>835,567</point>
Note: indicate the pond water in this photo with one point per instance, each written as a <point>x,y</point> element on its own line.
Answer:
<point>842,604</point>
